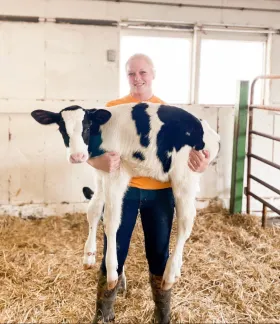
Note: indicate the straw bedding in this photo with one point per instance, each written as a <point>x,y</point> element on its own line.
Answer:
<point>231,272</point>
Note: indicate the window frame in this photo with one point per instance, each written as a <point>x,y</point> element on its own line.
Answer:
<point>148,32</point>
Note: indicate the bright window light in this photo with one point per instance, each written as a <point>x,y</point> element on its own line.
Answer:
<point>223,63</point>
<point>171,57</point>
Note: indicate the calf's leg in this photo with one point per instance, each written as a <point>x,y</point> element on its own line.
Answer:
<point>93,215</point>
<point>115,186</point>
<point>184,190</point>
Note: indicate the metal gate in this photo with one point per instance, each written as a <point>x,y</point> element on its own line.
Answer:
<point>251,155</point>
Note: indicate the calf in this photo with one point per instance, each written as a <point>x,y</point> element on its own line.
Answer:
<point>153,140</point>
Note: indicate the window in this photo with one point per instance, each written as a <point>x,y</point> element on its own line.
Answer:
<point>222,63</point>
<point>171,57</point>
<point>200,67</point>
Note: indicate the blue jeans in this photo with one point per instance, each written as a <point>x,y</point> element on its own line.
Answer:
<point>156,209</point>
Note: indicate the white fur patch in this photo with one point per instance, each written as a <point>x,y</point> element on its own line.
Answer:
<point>74,126</point>
<point>73,120</point>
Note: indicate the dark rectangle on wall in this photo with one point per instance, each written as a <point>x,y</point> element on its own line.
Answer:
<point>73,21</point>
<point>163,25</point>
<point>91,22</point>
<point>19,18</point>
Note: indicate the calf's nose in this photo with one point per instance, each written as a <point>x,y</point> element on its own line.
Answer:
<point>78,157</point>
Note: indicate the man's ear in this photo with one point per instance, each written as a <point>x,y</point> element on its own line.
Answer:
<point>45,117</point>
<point>100,116</point>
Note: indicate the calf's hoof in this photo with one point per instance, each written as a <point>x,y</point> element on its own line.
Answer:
<point>166,285</point>
<point>89,260</point>
<point>112,284</point>
<point>88,266</point>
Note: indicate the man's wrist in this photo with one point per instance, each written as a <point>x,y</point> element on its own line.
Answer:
<point>92,161</point>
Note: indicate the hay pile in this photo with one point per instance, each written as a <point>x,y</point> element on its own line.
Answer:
<point>230,273</point>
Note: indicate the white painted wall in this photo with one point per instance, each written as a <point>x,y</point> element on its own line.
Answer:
<point>50,66</point>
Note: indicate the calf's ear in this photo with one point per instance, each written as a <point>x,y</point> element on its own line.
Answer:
<point>45,117</point>
<point>100,116</point>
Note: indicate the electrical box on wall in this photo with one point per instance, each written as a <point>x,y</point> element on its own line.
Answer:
<point>111,55</point>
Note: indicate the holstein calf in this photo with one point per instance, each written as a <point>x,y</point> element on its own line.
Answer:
<point>153,140</point>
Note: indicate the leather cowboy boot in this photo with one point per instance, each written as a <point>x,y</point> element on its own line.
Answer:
<point>106,299</point>
<point>162,299</point>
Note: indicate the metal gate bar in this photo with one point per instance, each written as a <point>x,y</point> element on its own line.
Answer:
<point>265,184</point>
<point>266,135</point>
<point>276,166</point>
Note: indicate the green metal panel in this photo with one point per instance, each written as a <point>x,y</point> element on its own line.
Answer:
<point>239,147</point>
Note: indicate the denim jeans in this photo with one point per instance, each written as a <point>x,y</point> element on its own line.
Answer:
<point>156,210</point>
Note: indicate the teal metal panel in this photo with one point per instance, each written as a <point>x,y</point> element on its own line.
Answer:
<point>239,147</point>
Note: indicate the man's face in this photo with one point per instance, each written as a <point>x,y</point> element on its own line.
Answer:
<point>140,76</point>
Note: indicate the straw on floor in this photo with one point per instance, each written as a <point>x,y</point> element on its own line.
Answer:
<point>231,272</point>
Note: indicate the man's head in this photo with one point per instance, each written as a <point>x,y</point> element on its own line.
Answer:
<point>74,124</point>
<point>140,73</point>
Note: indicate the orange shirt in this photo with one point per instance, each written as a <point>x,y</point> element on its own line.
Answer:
<point>141,182</point>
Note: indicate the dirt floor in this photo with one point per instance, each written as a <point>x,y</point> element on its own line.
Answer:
<point>231,272</point>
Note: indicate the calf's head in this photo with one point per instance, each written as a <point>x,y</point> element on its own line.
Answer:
<point>75,124</point>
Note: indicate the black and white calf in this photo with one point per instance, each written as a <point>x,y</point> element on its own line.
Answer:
<point>153,140</point>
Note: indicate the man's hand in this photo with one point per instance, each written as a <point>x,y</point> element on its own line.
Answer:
<point>108,162</point>
<point>198,160</point>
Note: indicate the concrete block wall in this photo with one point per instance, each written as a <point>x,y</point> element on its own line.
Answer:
<point>50,66</point>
